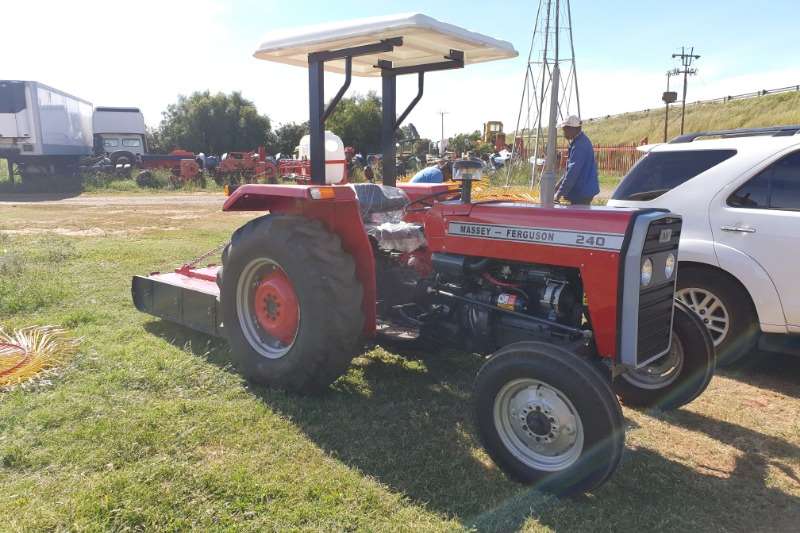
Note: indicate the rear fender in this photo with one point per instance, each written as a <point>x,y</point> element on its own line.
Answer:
<point>340,214</point>
<point>745,270</point>
<point>756,280</point>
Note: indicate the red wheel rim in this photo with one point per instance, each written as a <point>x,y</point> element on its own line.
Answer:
<point>276,306</point>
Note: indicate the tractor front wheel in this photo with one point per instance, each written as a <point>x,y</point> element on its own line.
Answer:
<point>678,377</point>
<point>291,303</point>
<point>547,417</point>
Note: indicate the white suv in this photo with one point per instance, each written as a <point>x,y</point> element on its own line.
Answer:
<point>739,261</point>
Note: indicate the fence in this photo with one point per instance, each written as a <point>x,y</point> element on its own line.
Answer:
<point>614,160</point>
<point>743,96</point>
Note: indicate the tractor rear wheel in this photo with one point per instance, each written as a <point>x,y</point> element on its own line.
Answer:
<point>548,417</point>
<point>291,303</point>
<point>678,377</point>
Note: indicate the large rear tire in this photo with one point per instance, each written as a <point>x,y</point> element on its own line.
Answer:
<point>678,377</point>
<point>291,303</point>
<point>548,418</point>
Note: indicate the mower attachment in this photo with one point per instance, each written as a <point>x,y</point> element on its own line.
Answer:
<point>188,296</point>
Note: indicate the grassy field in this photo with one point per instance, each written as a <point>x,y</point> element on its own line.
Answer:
<point>761,111</point>
<point>150,428</point>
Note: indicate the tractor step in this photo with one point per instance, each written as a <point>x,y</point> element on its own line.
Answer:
<point>188,296</point>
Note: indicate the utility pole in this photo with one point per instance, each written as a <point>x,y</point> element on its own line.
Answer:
<point>547,187</point>
<point>686,62</point>
<point>669,97</point>
<point>441,143</point>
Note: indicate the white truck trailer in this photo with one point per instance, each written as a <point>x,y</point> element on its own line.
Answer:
<point>43,131</point>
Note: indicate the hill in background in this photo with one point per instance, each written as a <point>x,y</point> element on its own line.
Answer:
<point>631,128</point>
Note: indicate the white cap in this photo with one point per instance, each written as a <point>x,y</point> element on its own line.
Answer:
<point>573,121</point>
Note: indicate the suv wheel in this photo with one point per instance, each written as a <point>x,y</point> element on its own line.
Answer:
<point>725,310</point>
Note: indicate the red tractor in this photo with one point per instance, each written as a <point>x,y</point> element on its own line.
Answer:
<point>574,306</point>
<point>247,167</point>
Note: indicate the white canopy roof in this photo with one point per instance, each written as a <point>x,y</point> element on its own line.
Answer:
<point>425,40</point>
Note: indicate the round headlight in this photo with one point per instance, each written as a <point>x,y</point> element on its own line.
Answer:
<point>669,267</point>
<point>647,272</point>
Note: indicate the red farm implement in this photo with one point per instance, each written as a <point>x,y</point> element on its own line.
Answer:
<point>574,306</point>
<point>246,167</point>
<point>299,170</point>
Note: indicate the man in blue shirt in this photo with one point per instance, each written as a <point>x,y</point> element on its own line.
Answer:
<point>433,174</point>
<point>579,184</point>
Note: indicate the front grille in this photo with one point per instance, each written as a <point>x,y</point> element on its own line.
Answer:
<point>656,300</point>
<point>655,322</point>
<point>652,243</point>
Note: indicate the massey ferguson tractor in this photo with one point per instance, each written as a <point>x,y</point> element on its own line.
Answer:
<point>574,306</point>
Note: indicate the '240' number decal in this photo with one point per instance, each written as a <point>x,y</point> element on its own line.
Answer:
<point>591,240</point>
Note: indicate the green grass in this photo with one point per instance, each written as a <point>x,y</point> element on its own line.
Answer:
<point>151,428</point>
<point>770,110</point>
<point>519,185</point>
<point>101,183</point>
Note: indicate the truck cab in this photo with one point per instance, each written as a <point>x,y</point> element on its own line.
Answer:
<point>119,129</point>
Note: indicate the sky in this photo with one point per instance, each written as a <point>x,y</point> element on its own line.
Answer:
<point>154,50</point>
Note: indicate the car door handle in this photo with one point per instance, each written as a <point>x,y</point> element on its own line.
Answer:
<point>738,229</point>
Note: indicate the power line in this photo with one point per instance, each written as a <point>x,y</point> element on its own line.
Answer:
<point>686,62</point>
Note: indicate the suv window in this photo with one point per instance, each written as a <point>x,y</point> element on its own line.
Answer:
<point>776,187</point>
<point>660,172</point>
<point>131,142</point>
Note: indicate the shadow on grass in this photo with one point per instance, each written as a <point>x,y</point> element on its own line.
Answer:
<point>653,493</point>
<point>777,372</point>
<point>759,451</point>
<point>40,190</point>
<point>407,423</point>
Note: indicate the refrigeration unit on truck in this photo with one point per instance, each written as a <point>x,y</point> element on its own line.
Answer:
<point>119,132</point>
<point>43,131</point>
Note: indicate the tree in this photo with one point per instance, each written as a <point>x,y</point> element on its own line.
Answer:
<point>357,120</point>
<point>408,132</point>
<point>287,137</point>
<point>218,123</point>
<point>154,141</point>
<point>464,142</point>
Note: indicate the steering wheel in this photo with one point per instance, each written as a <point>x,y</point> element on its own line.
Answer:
<point>428,200</point>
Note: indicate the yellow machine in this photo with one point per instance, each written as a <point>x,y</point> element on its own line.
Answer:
<point>493,134</point>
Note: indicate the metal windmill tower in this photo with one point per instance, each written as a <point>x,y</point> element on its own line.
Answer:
<point>549,94</point>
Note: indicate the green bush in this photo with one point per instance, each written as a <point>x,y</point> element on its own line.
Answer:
<point>148,179</point>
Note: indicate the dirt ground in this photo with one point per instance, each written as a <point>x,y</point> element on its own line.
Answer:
<point>101,200</point>
<point>110,215</point>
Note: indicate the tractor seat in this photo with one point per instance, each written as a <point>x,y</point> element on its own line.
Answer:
<point>374,198</point>
<point>381,209</point>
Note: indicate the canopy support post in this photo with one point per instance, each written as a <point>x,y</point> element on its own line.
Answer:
<point>316,122</point>
<point>420,89</point>
<point>388,125</point>
<point>317,112</point>
<point>348,73</point>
